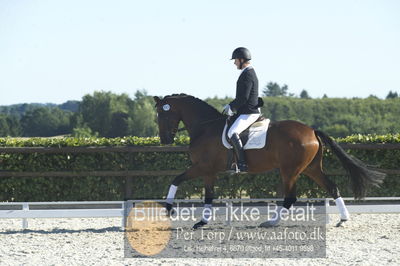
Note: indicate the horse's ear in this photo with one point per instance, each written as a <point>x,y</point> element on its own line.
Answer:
<point>157,100</point>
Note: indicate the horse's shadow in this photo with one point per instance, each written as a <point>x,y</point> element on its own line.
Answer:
<point>64,231</point>
<point>117,229</point>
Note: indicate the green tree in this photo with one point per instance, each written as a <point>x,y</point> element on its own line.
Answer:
<point>83,132</point>
<point>4,127</point>
<point>392,95</point>
<point>304,95</point>
<point>45,122</point>
<point>9,126</point>
<point>97,111</point>
<point>272,89</point>
<point>117,115</point>
<point>143,121</point>
<point>119,126</point>
<point>14,126</point>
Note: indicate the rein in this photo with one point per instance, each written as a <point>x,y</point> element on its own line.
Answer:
<point>203,123</point>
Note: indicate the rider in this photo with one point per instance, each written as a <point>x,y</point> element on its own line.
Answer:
<point>245,105</point>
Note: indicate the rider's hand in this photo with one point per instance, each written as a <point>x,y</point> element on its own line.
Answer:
<point>227,110</point>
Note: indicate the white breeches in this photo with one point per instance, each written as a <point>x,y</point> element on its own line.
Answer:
<point>242,122</point>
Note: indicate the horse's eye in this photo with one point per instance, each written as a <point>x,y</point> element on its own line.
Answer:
<point>166,107</point>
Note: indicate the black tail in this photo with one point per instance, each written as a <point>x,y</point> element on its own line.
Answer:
<point>361,177</point>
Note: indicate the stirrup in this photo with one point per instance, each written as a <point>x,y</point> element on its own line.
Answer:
<point>233,169</point>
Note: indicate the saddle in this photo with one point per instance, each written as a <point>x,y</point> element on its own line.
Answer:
<point>254,137</point>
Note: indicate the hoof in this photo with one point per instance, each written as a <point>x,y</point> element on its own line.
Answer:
<point>341,223</point>
<point>269,224</point>
<point>198,225</point>
<point>170,211</point>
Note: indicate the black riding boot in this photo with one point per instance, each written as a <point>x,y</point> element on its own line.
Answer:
<point>238,147</point>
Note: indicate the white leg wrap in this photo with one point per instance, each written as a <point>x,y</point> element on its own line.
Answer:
<point>207,213</point>
<point>276,218</point>
<point>344,213</point>
<point>273,219</point>
<point>171,194</point>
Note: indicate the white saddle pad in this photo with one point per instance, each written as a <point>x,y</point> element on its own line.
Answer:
<point>257,136</point>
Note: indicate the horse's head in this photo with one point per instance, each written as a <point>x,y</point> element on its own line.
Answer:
<point>168,117</point>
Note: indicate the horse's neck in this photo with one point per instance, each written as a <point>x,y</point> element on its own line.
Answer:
<point>196,123</point>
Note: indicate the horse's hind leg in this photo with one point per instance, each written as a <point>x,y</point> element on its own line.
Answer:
<point>289,178</point>
<point>315,172</point>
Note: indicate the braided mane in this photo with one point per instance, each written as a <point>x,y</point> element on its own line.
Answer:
<point>206,110</point>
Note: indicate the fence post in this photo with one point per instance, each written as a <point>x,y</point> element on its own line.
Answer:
<point>128,187</point>
<point>25,207</point>
<point>326,210</point>
<point>228,212</point>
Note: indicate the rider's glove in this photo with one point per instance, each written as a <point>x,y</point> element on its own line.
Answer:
<point>227,110</point>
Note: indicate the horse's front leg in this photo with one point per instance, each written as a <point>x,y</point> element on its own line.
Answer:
<point>192,172</point>
<point>208,198</point>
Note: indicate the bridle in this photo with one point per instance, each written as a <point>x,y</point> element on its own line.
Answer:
<point>174,131</point>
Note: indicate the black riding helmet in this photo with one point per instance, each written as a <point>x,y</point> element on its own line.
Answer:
<point>241,53</point>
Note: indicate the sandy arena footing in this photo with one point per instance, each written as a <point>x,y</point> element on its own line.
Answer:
<point>368,239</point>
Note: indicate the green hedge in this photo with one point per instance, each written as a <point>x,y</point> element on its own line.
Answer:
<point>112,188</point>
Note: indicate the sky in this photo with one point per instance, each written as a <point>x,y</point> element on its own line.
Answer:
<point>58,50</point>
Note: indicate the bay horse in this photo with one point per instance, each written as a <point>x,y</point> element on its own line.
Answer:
<point>292,147</point>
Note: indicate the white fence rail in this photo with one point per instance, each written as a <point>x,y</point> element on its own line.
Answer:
<point>99,209</point>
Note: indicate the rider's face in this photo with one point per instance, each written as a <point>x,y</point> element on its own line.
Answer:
<point>237,63</point>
